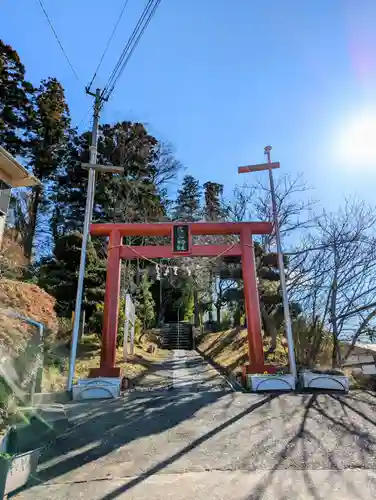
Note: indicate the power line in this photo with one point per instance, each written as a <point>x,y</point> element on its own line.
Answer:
<point>130,39</point>
<point>108,44</point>
<point>57,38</point>
<point>130,46</point>
<point>85,118</point>
<point>136,40</point>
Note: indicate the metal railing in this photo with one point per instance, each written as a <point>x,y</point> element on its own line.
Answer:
<point>35,376</point>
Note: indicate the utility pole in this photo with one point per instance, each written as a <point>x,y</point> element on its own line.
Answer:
<point>286,309</point>
<point>282,275</point>
<point>85,235</point>
<point>92,167</point>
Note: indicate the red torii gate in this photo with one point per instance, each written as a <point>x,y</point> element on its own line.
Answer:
<point>118,251</point>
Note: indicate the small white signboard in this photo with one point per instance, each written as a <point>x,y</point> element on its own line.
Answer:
<point>129,323</point>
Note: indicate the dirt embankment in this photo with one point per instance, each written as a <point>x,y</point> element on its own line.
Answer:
<point>29,301</point>
<point>21,298</point>
<point>228,350</point>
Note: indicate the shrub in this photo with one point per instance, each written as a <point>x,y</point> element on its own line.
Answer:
<point>226,321</point>
<point>312,344</point>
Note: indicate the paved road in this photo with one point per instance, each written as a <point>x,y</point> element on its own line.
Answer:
<point>206,442</point>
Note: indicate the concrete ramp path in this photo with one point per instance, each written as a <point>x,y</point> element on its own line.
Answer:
<point>202,441</point>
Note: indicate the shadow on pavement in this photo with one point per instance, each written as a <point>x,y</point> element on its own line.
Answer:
<point>102,431</point>
<point>295,432</point>
<point>338,418</point>
<point>197,442</point>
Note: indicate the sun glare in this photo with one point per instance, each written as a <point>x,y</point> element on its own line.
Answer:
<point>356,141</point>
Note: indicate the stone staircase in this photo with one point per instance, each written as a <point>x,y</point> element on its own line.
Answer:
<point>177,336</point>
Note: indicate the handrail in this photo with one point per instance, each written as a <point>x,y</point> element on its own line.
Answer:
<point>37,381</point>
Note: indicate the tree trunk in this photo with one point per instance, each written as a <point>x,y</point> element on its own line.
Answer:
<point>32,223</point>
<point>335,356</point>
<point>333,309</point>
<point>237,316</point>
<point>270,327</point>
<point>82,325</point>
<point>218,308</point>
<point>161,314</point>
<point>196,307</point>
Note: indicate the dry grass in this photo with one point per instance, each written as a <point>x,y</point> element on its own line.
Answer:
<point>32,302</point>
<point>88,356</point>
<point>229,349</point>
<point>28,300</point>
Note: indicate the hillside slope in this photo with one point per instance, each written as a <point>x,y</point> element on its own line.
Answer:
<point>229,349</point>
<point>26,300</point>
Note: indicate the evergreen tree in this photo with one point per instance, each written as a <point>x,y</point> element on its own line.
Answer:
<point>58,275</point>
<point>187,207</point>
<point>269,289</point>
<point>145,303</point>
<point>15,101</point>
<point>213,205</point>
<point>70,188</point>
<point>46,143</point>
<point>138,195</point>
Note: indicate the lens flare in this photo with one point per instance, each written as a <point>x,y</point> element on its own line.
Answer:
<point>356,141</point>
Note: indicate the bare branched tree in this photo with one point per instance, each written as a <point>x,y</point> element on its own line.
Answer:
<point>335,271</point>
<point>294,211</point>
<point>294,207</point>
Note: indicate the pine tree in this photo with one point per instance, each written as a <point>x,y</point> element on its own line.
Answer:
<point>15,101</point>
<point>269,289</point>
<point>187,207</point>
<point>136,196</point>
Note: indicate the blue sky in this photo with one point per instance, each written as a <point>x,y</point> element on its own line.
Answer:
<point>220,79</point>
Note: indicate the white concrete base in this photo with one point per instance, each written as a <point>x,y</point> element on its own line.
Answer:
<point>369,369</point>
<point>260,383</point>
<point>3,442</point>
<point>311,380</point>
<point>96,388</point>
<point>102,380</point>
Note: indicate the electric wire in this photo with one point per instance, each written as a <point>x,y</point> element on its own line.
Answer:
<point>133,41</point>
<point>108,43</point>
<point>57,38</point>
<point>85,118</point>
<point>123,54</point>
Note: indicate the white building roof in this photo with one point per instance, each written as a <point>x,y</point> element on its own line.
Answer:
<point>13,173</point>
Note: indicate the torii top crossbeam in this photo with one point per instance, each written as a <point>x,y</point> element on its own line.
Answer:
<point>196,228</point>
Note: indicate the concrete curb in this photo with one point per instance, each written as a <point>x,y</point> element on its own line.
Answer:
<point>61,397</point>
